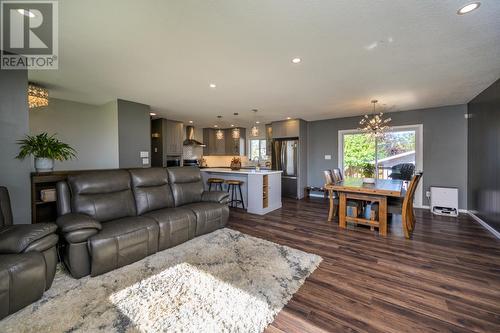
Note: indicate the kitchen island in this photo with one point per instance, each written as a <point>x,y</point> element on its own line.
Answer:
<point>261,189</point>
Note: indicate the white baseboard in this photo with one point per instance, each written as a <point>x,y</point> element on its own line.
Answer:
<point>484,224</point>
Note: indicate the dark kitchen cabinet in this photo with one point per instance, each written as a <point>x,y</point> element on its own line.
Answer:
<point>225,146</point>
<point>167,137</point>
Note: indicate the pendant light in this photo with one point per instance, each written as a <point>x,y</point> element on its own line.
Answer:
<point>37,96</point>
<point>254,131</point>
<point>219,134</point>
<point>374,125</point>
<point>235,132</point>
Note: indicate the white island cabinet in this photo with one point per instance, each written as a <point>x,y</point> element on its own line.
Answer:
<point>261,189</point>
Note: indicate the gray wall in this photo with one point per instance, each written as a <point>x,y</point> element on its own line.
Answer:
<point>444,146</point>
<point>92,130</point>
<point>484,155</point>
<point>134,133</point>
<point>14,174</point>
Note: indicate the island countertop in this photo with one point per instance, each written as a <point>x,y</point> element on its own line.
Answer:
<point>241,171</point>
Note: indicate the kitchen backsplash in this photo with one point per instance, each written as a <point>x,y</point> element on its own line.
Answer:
<point>223,161</point>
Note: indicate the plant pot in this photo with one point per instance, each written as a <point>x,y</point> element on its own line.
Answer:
<point>44,164</point>
<point>369,180</point>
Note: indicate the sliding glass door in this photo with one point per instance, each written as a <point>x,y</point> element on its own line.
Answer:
<point>400,145</point>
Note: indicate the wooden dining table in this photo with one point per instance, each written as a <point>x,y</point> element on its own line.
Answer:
<point>355,189</point>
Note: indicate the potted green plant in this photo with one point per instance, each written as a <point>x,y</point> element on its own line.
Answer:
<point>45,149</point>
<point>368,171</point>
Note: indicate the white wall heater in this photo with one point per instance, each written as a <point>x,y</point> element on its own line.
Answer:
<point>444,201</point>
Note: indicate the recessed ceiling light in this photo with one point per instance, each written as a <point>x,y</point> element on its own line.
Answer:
<point>232,125</point>
<point>212,85</point>
<point>257,122</point>
<point>288,118</point>
<point>26,13</point>
<point>296,60</point>
<point>216,126</point>
<point>190,121</point>
<point>152,114</point>
<point>468,8</point>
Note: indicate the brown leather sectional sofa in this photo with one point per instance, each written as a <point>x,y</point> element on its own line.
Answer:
<point>109,219</point>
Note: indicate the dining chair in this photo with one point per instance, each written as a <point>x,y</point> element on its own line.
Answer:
<point>332,195</point>
<point>337,175</point>
<point>406,207</point>
<point>332,178</point>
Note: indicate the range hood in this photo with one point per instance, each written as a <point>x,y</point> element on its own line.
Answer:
<point>190,141</point>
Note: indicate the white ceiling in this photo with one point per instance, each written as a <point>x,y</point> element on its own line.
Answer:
<point>165,54</point>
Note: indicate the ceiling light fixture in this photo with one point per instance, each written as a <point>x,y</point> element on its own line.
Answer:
<point>288,118</point>
<point>375,125</point>
<point>468,8</point>
<point>26,13</point>
<point>212,85</point>
<point>37,96</point>
<point>296,60</point>
<point>190,121</point>
<point>152,114</point>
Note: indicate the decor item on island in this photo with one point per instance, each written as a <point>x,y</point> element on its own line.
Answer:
<point>235,163</point>
<point>375,125</point>
<point>37,96</point>
<point>45,149</point>
<point>224,281</point>
<point>368,171</point>
<point>254,131</point>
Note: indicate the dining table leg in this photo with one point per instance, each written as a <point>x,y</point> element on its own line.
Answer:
<point>330,212</point>
<point>342,209</point>
<point>382,216</point>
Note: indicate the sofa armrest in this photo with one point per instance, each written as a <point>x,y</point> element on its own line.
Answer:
<point>77,227</point>
<point>16,238</point>
<point>215,196</point>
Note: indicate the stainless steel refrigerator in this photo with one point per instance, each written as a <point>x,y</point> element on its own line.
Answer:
<point>284,157</point>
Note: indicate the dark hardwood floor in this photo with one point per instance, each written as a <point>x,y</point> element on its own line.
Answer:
<point>445,279</point>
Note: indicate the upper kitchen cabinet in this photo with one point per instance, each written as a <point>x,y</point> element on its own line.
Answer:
<point>214,146</point>
<point>225,146</point>
<point>235,146</point>
<point>167,137</point>
<point>174,137</point>
<point>286,128</point>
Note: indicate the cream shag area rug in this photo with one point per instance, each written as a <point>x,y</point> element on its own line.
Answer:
<point>225,281</point>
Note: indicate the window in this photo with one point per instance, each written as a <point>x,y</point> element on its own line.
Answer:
<point>258,149</point>
<point>402,144</point>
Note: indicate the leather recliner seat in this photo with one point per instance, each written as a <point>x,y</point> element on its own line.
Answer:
<point>113,218</point>
<point>28,259</point>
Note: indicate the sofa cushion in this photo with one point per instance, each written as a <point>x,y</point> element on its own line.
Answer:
<point>177,225</point>
<point>16,238</point>
<point>103,195</point>
<point>151,189</point>
<point>122,242</point>
<point>186,183</point>
<point>210,216</point>
<point>22,280</point>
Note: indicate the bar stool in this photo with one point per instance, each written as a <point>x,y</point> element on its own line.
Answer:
<point>216,181</point>
<point>231,185</point>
